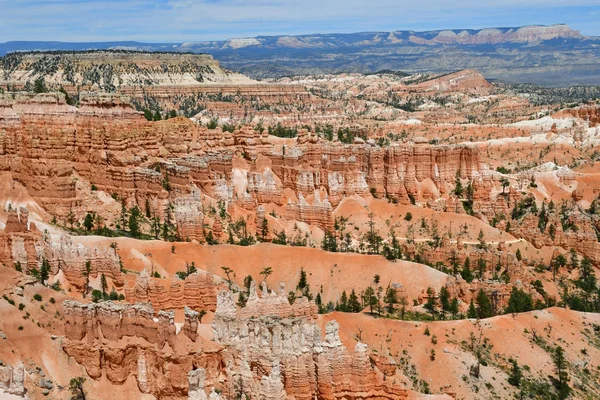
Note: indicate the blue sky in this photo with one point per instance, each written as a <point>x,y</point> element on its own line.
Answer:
<point>192,20</point>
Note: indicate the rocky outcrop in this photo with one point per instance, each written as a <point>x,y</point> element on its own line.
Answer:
<point>280,354</point>
<point>198,291</point>
<point>20,241</point>
<point>125,72</point>
<point>71,258</point>
<point>466,81</point>
<point>22,244</point>
<point>12,380</point>
<point>189,216</point>
<point>190,324</point>
<point>114,321</point>
<point>318,213</point>
<point>591,114</point>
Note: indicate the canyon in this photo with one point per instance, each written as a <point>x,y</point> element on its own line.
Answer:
<point>198,234</point>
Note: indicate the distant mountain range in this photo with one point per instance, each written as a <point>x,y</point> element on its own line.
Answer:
<point>553,55</point>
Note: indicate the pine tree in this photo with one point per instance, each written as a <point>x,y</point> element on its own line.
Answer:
<point>76,388</point>
<point>466,273</point>
<point>134,222</point>
<point>515,373</point>
<point>353,303</point>
<point>481,239</point>
<point>454,307</point>
<point>302,281</point>
<point>472,313</point>
<point>558,262</point>
<point>444,301</point>
<point>88,222</point>
<point>264,229</point>
<point>103,284</point>
<point>391,299</point>
<point>519,301</point>
<point>228,272</point>
<point>44,271</point>
<point>458,189</point>
<point>369,298</point>
<point>266,272</point>
<point>319,303</point>
<point>560,365</point>
<point>587,278</point>
<point>484,305</point>
<point>430,304</point>
<point>481,267</point>
<point>344,302</point>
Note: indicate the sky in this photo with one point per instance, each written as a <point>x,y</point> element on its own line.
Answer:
<point>176,21</point>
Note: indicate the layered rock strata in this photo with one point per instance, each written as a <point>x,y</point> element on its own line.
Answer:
<point>275,350</point>
<point>198,291</point>
<point>46,144</point>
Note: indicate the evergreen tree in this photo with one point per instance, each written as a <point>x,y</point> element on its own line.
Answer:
<point>319,303</point>
<point>39,85</point>
<point>329,242</point>
<point>228,272</point>
<point>103,284</point>
<point>266,272</point>
<point>373,239</point>
<point>430,304</point>
<point>302,281</point>
<point>454,307</point>
<point>343,302</point>
<point>472,313</point>
<point>353,303</point>
<point>68,98</point>
<point>264,229</point>
<point>44,271</point>
<point>248,282</point>
<point>76,388</point>
<point>458,187</point>
<point>484,305</point>
<point>587,278</point>
<point>444,301</point>
<point>515,373</point>
<point>574,259</point>
<point>481,267</point>
<point>369,298</point>
<point>391,299</point>
<point>560,366</point>
<point>88,222</point>
<point>481,239</point>
<point>134,221</point>
<point>466,273</point>
<point>519,301</point>
<point>558,262</point>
